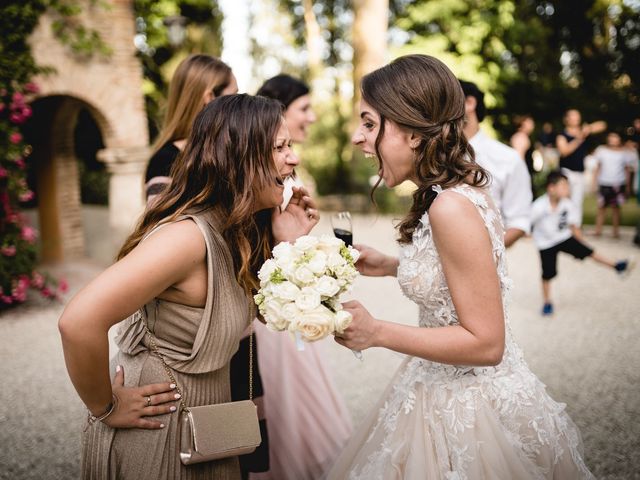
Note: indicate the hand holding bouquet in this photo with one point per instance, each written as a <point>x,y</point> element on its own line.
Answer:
<point>301,284</point>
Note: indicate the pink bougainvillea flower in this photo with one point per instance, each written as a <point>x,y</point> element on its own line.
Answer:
<point>26,196</point>
<point>37,280</point>
<point>3,172</point>
<point>2,106</point>
<point>26,112</point>
<point>17,98</point>
<point>20,296</point>
<point>46,292</point>
<point>29,234</point>
<point>63,286</point>
<point>17,118</point>
<point>31,87</point>
<point>8,250</point>
<point>19,292</point>
<point>21,163</point>
<point>15,138</point>
<point>6,299</point>
<point>23,282</point>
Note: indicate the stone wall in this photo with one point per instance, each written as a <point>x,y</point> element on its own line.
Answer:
<point>111,89</point>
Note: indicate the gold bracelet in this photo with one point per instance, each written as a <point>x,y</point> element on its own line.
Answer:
<point>110,408</point>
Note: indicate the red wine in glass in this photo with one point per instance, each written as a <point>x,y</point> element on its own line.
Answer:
<point>344,235</point>
<point>342,227</point>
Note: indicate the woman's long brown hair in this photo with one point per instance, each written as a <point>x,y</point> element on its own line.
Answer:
<point>192,78</point>
<point>421,95</point>
<point>227,159</point>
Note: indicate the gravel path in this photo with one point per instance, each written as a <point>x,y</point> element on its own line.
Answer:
<point>586,354</point>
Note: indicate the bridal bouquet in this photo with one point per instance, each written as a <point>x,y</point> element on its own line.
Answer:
<point>301,284</point>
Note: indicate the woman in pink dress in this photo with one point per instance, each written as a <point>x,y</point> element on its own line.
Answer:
<point>307,419</point>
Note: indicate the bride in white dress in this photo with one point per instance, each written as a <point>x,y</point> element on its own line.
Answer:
<point>464,404</point>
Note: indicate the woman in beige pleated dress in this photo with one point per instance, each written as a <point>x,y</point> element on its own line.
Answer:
<point>187,272</point>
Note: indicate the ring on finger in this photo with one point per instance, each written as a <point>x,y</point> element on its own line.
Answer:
<point>148,398</point>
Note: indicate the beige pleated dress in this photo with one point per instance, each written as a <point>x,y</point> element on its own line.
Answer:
<point>198,344</point>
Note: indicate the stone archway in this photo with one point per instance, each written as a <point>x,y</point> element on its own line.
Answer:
<point>51,132</point>
<point>111,89</point>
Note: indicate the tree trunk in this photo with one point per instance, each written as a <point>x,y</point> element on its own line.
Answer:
<point>371,18</point>
<point>313,40</point>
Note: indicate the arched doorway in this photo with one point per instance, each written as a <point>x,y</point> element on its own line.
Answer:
<point>62,131</point>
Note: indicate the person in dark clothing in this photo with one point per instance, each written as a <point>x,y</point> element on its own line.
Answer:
<point>197,80</point>
<point>571,144</point>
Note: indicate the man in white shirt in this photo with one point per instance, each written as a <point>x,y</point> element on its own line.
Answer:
<point>510,181</point>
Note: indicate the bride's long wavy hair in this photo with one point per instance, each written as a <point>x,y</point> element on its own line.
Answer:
<point>421,95</point>
<point>227,159</point>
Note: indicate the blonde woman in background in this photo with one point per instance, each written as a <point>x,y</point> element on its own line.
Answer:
<point>307,418</point>
<point>197,80</point>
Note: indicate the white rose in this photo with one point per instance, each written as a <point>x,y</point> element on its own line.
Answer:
<point>291,312</point>
<point>285,291</point>
<point>327,286</point>
<point>329,242</point>
<point>335,260</point>
<point>266,270</point>
<point>308,299</point>
<point>288,266</point>
<point>306,243</point>
<point>314,324</point>
<point>282,250</point>
<point>303,275</point>
<point>342,321</point>
<point>318,263</point>
<point>273,315</point>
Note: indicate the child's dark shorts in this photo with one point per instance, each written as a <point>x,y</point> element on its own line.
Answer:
<point>549,256</point>
<point>611,196</point>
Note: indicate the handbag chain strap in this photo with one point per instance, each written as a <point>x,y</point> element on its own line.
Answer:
<point>156,352</point>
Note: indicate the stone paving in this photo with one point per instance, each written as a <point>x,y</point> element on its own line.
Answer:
<point>586,354</point>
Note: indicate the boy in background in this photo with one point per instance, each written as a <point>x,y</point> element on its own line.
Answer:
<point>555,221</point>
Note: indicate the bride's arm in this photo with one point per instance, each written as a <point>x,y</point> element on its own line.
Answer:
<point>466,254</point>
<point>373,263</point>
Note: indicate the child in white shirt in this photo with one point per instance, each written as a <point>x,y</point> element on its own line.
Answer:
<point>554,220</point>
<point>612,175</point>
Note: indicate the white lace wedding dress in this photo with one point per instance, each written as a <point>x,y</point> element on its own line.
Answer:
<point>438,421</point>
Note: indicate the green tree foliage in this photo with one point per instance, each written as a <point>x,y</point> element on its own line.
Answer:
<point>328,153</point>
<point>159,58</point>
<point>536,56</point>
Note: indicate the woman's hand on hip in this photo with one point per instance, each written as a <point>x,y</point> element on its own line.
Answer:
<point>135,405</point>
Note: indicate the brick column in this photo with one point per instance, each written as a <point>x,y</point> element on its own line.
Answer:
<point>60,207</point>
<point>126,196</point>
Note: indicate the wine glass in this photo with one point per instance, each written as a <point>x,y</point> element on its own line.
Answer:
<point>342,227</point>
